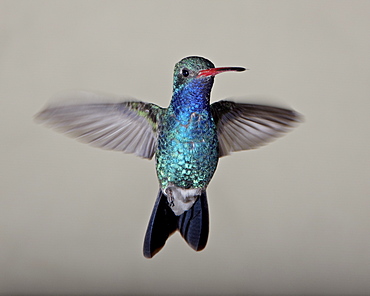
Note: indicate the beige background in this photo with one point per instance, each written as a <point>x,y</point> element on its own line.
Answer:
<point>291,217</point>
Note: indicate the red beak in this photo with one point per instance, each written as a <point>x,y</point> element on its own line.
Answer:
<point>215,71</point>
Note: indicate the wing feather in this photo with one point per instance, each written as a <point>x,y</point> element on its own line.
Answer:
<point>129,126</point>
<point>248,126</point>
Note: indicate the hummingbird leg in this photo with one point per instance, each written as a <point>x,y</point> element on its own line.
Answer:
<point>180,199</point>
<point>168,193</point>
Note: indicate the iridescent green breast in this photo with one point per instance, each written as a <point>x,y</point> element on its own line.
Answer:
<point>187,153</point>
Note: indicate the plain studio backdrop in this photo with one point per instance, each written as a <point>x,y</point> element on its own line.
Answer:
<point>291,217</point>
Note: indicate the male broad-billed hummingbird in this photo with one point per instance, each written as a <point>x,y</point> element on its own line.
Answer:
<point>187,139</point>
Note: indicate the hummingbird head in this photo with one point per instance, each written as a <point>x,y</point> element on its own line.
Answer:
<point>197,73</point>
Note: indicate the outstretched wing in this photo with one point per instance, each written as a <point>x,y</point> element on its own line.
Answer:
<point>248,126</point>
<point>130,127</point>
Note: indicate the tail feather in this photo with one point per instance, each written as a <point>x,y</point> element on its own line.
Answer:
<point>162,223</point>
<point>192,224</point>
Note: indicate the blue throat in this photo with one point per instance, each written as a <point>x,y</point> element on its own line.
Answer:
<point>191,97</point>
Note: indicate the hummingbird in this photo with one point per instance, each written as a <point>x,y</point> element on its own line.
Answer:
<point>187,139</point>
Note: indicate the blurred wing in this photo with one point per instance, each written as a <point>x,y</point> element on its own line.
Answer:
<point>130,127</point>
<point>248,126</point>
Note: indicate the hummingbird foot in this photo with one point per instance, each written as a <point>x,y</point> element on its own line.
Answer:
<point>180,199</point>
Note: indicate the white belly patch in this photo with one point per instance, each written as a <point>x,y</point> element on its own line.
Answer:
<point>179,199</point>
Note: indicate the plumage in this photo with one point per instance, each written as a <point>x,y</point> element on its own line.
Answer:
<point>247,126</point>
<point>187,139</point>
<point>130,127</point>
<point>193,225</point>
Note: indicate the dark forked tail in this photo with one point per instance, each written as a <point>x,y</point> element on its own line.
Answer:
<point>192,224</point>
<point>162,223</point>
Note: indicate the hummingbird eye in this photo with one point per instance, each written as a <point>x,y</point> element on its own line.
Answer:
<point>185,72</point>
